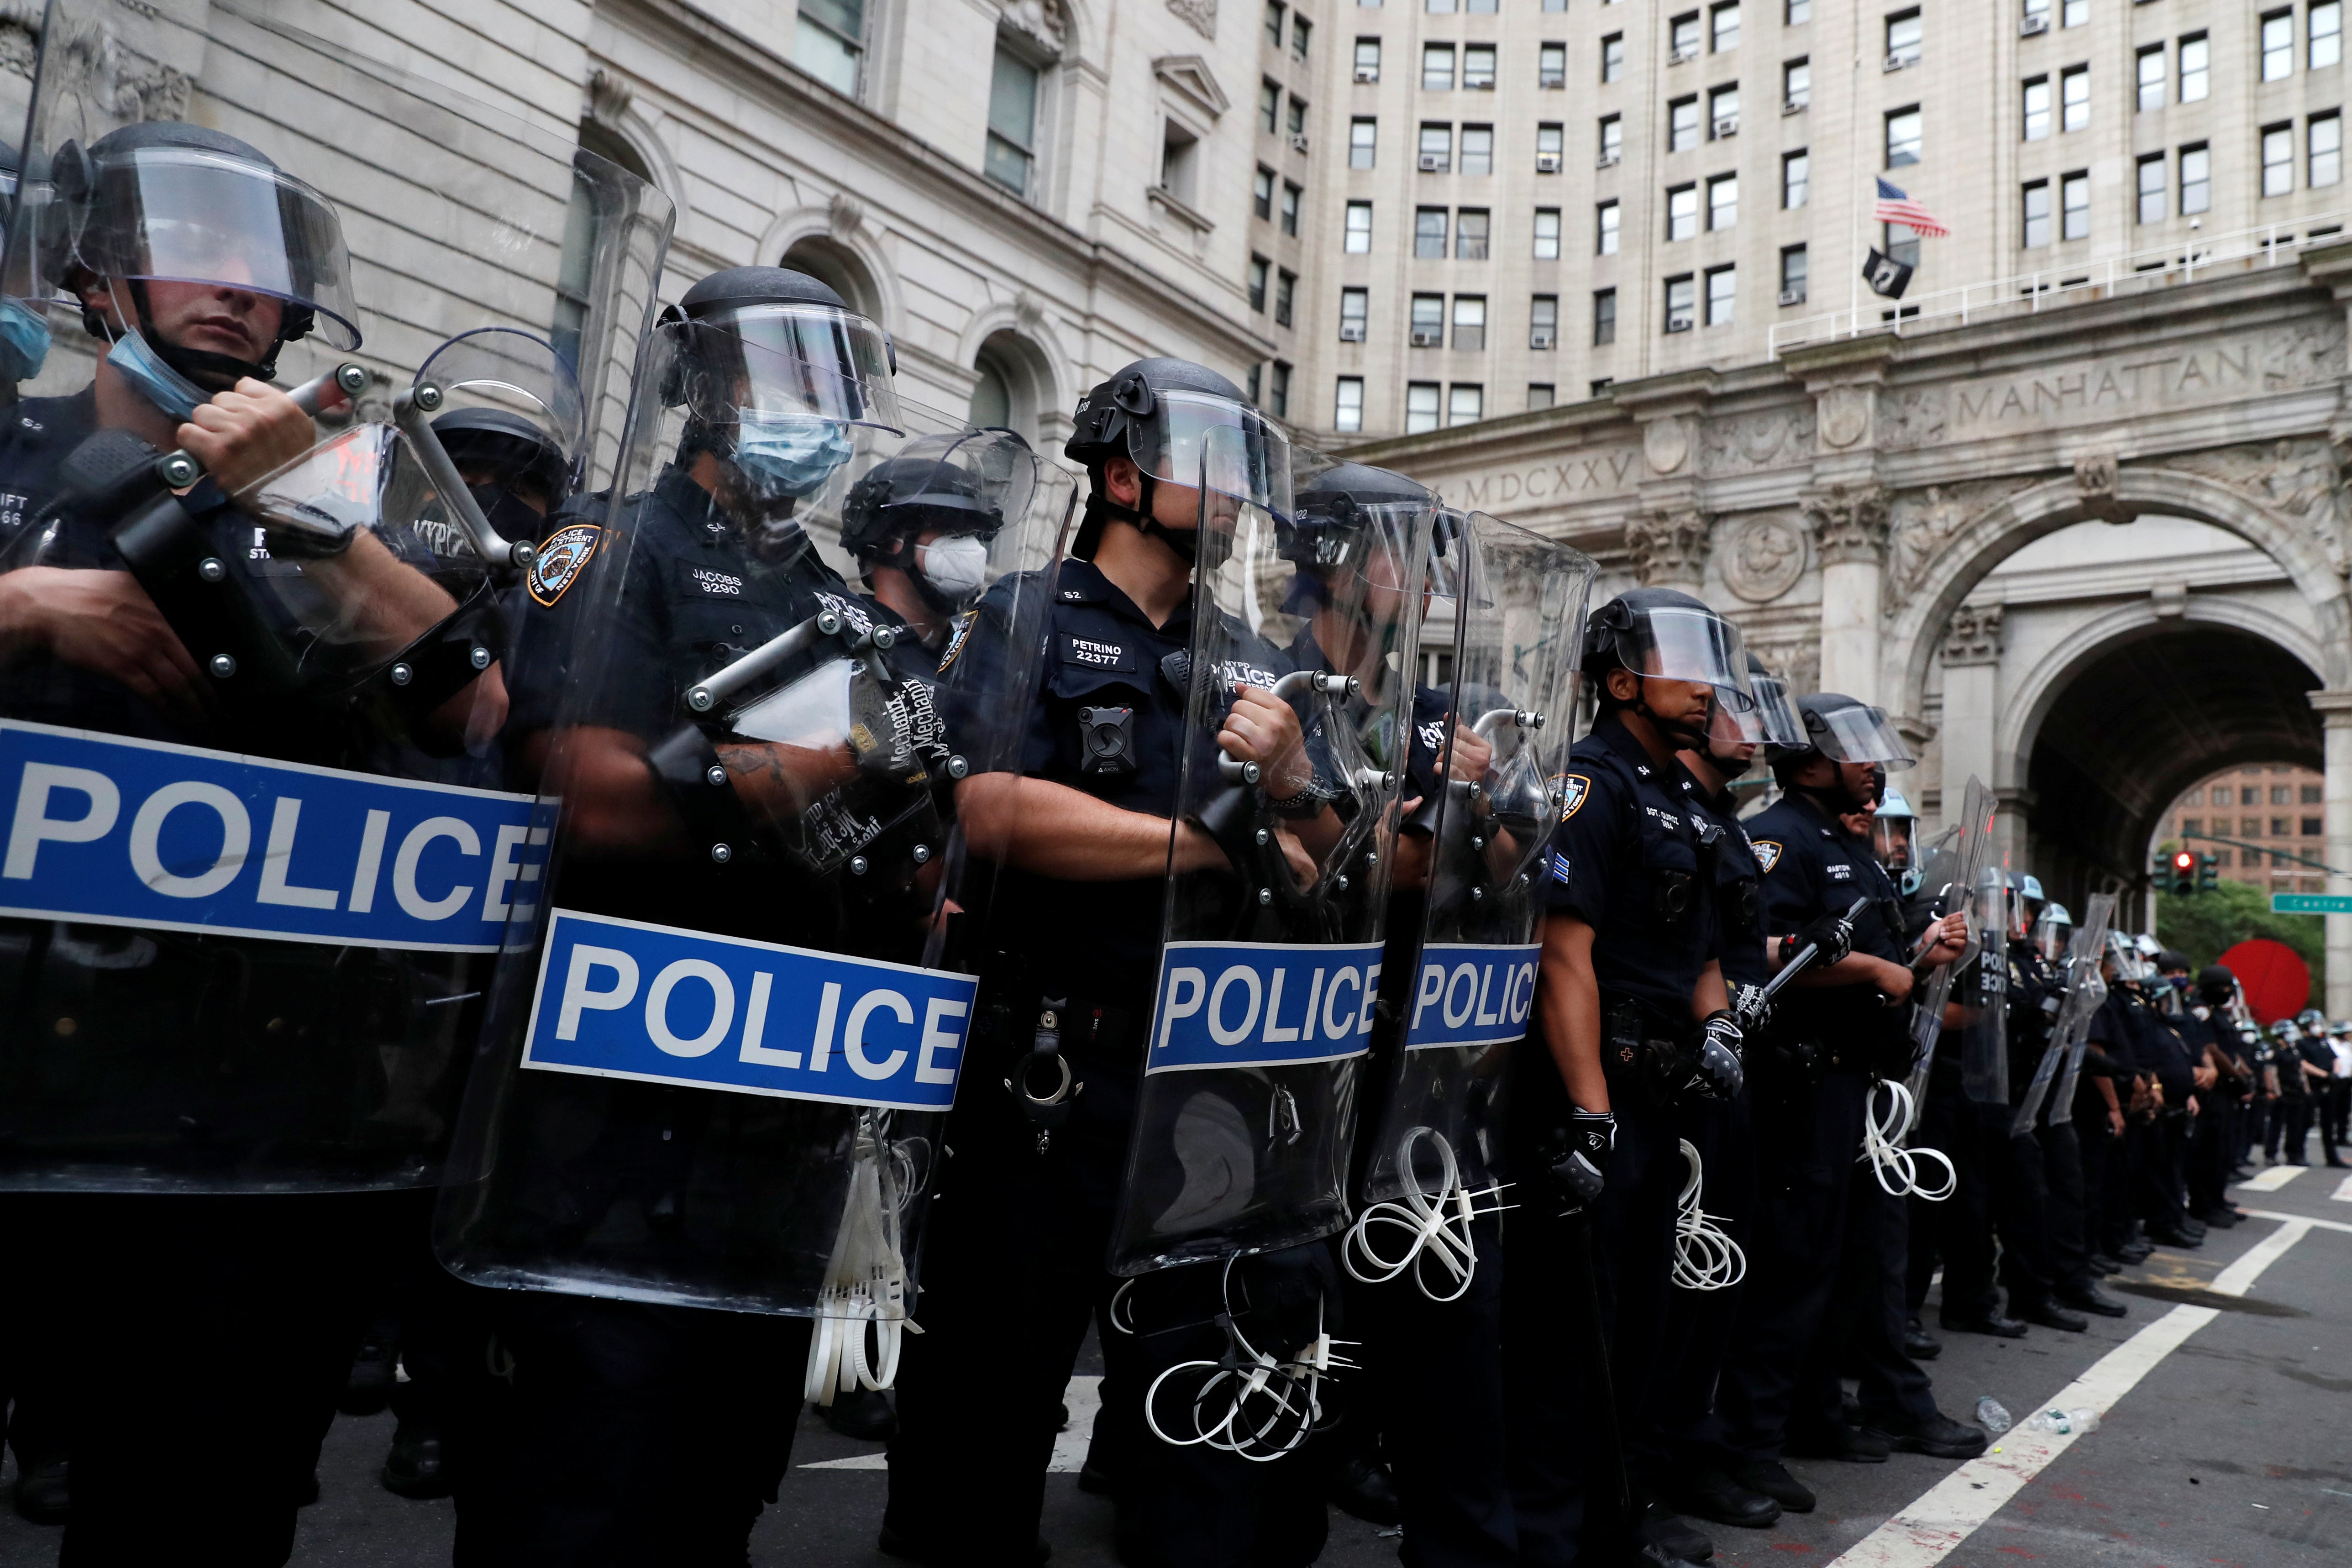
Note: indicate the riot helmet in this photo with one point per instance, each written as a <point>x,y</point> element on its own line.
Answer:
<point>773,369</point>
<point>1894,839</point>
<point>163,203</point>
<point>1847,729</point>
<point>932,511</point>
<point>1661,633</point>
<point>1160,414</point>
<point>2053,932</point>
<point>2217,984</point>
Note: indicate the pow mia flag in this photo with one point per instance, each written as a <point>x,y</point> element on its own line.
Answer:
<point>1886,274</point>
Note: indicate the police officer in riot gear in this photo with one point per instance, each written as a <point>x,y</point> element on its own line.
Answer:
<point>919,525</point>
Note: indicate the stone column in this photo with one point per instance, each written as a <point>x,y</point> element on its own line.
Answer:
<point>1971,701</point>
<point>1851,525</point>
<point>2335,719</point>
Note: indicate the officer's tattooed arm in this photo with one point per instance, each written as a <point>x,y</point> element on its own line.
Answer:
<point>1568,1009</point>
<point>614,802</point>
<point>1052,830</point>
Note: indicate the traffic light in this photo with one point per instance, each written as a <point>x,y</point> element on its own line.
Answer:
<point>2207,877</point>
<point>2184,871</point>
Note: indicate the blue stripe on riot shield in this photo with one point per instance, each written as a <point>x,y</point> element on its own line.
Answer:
<point>1472,993</point>
<point>1262,1004</point>
<point>138,832</point>
<point>619,999</point>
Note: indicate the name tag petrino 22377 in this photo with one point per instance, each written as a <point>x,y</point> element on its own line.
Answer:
<point>116,832</point>
<point>1262,1004</point>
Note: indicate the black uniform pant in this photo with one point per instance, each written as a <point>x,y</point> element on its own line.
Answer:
<point>2163,1194</point>
<point>2335,1111</point>
<point>2126,1154</point>
<point>2208,1141</point>
<point>274,1289</point>
<point>2068,1208</point>
<point>1668,1418</point>
<point>594,1434</point>
<point>1960,1229</point>
<point>2290,1131</point>
<point>2020,1206</point>
<point>1862,1334</point>
<point>2257,1126</point>
<point>1806,1141</point>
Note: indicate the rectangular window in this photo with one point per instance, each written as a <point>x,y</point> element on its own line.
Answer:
<point>1300,30</point>
<point>1723,110</point>
<point>1273,13</point>
<point>1429,234</point>
<point>1258,268</point>
<point>1298,115</point>
<point>1682,294</point>
<point>1682,212</point>
<point>2196,180</point>
<point>2326,137</point>
<point>1439,7</point>
<point>1794,273</point>
<point>1355,315</point>
<point>1470,323</point>
<point>1796,13</point>
<point>1797,84</point>
<point>1478,67</point>
<point>2312,794</point>
<point>2074,94</point>
<point>1904,36</point>
<point>1723,202</point>
<point>1269,106</point>
<point>1551,66</point>
<point>1012,122</point>
<point>1262,194</point>
<point>2278,830</point>
<point>2038,8</point>
<point>2279,795</point>
<point>1291,197</point>
<point>1543,322</point>
<point>2074,13</point>
<point>1605,229</point>
<point>829,42</point>
<point>1612,138</point>
<point>2327,33</point>
<point>2037,108</point>
<point>2150,65</point>
<point>1286,292</point>
<point>1547,234</point>
<point>2192,825</point>
<point>1436,149</point>
<point>2313,827</point>
<point>1348,404</point>
<point>1551,144</point>
<point>1722,286</point>
<point>1466,403</point>
<point>2250,827</point>
<point>1900,244</point>
<point>1604,317</point>
<point>2075,202</point>
<point>1437,68</point>
<point>1363,142</point>
<point>1684,32</point>
<point>1477,150</point>
<point>1278,399</point>
<point>2196,67</point>
<point>1682,124</point>
<point>1428,321</point>
<point>2278,159</point>
<point>1796,179</point>
<point>2151,188</point>
<point>1420,407</point>
<point>1367,59</point>
<point>1902,137</point>
<point>2036,231</point>
<point>1359,240</point>
<point>1470,234</point>
<point>2278,45</point>
<point>1723,28</point>
<point>1612,57</point>
<point>1541,395</point>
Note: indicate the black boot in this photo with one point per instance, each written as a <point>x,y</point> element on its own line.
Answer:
<point>864,1413</point>
<point>1364,1488</point>
<point>41,1494</point>
<point>2084,1296</point>
<point>413,1468</point>
<point>1919,1344</point>
<point>369,1387</point>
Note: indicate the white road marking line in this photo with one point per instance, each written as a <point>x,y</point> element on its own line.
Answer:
<point>2343,1193</point>
<point>1084,1397</point>
<point>2322,1223</point>
<point>1958,1506</point>
<point>2272,1179</point>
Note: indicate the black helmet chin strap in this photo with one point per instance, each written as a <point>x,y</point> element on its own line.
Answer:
<point>1186,543</point>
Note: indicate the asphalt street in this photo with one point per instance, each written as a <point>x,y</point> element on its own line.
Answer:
<point>2227,1442</point>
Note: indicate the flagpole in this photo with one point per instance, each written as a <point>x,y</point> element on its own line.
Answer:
<point>1853,151</point>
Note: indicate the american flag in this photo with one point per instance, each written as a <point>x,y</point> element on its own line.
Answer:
<point>1894,207</point>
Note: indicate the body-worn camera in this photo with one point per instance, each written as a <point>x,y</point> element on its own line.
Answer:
<point>1106,740</point>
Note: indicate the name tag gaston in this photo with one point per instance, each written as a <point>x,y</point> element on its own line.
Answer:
<point>1473,994</point>
<point>1262,1004</point>
<point>137,833</point>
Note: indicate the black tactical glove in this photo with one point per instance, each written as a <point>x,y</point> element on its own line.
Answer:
<point>1750,1008</point>
<point>1832,934</point>
<point>1578,1154</point>
<point>1714,1072</point>
<point>897,729</point>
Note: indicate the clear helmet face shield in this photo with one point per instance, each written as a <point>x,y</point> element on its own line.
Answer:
<point>1857,734</point>
<point>2053,932</point>
<point>1891,842</point>
<point>935,513</point>
<point>776,382</point>
<point>1776,713</point>
<point>1678,643</point>
<point>329,775</point>
<point>1192,438</point>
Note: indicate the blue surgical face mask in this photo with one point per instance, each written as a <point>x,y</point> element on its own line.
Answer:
<point>789,453</point>
<point>24,340</point>
<point>156,382</point>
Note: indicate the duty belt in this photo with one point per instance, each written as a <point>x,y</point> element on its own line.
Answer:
<point>1633,1053</point>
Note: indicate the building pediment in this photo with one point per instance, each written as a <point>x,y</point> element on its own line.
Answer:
<point>1189,76</point>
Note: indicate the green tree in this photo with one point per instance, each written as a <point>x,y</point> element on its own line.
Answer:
<point>2204,925</point>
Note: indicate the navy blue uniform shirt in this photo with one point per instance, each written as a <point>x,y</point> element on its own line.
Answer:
<point>1739,893</point>
<point>1813,867</point>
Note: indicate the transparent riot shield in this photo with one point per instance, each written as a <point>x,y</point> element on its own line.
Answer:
<point>1270,964</point>
<point>266,841</point>
<point>722,1041</point>
<point>1501,728</point>
<point>2086,992</point>
<point>1982,991</point>
<point>1949,867</point>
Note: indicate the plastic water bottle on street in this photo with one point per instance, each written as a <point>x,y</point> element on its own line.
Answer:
<point>2063,1422</point>
<point>1991,1416</point>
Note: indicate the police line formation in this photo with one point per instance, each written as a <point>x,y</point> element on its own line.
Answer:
<point>616,844</point>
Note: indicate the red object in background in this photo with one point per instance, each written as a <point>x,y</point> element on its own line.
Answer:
<point>2278,980</point>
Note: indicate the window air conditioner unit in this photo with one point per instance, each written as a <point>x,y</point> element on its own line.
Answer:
<point>1486,86</point>
<point>1793,297</point>
<point>1726,125</point>
<point>1549,80</point>
<point>1901,62</point>
<point>1606,160</point>
<point>1547,163</point>
<point>1429,339</point>
<point>1543,338</point>
<point>1433,162</point>
<point>1299,142</point>
<point>1352,331</point>
<point>1678,323</point>
<point>1682,56</point>
<point>2033,26</point>
<point>1795,105</point>
<point>1366,75</point>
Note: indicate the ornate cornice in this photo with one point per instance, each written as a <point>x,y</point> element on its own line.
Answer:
<point>1850,521</point>
<point>1668,547</point>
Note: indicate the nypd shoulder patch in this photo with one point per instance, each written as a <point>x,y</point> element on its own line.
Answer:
<point>1574,789</point>
<point>560,560</point>
<point>956,638</point>
<point>1767,853</point>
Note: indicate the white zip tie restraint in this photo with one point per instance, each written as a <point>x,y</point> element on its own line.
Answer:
<point>1249,1403</point>
<point>866,1283</point>
<point>1705,1259</point>
<point>1897,1168</point>
<point>1436,1226</point>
